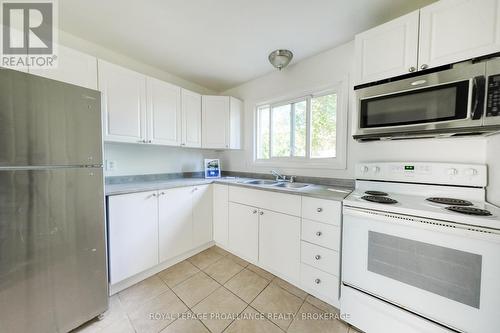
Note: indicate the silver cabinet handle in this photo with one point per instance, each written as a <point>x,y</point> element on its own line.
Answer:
<point>424,66</point>
<point>261,213</point>
<point>319,233</point>
<point>319,210</point>
<point>254,211</point>
<point>411,69</point>
<point>317,281</point>
<point>317,257</point>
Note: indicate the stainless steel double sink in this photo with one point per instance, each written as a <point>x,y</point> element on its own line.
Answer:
<point>278,184</point>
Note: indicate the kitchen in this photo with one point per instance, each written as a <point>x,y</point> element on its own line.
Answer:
<point>349,182</point>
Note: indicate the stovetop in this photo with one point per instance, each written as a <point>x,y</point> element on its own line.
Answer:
<point>413,202</point>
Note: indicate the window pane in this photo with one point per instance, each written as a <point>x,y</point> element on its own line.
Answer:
<point>300,129</point>
<point>281,139</point>
<point>324,126</point>
<point>263,133</point>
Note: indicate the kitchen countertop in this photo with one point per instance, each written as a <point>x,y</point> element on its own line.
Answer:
<point>329,192</point>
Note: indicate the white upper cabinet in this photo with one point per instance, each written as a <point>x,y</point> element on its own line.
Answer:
<point>235,114</point>
<point>124,103</point>
<point>221,120</point>
<point>388,50</point>
<point>191,119</point>
<point>456,30</point>
<point>73,67</point>
<point>163,113</point>
<point>215,120</point>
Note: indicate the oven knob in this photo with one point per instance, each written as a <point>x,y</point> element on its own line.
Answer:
<point>471,172</point>
<point>452,172</point>
<point>376,169</point>
<point>364,169</point>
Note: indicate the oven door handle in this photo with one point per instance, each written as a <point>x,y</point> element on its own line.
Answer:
<point>477,101</point>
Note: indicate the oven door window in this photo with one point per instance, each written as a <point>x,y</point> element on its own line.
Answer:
<point>427,105</point>
<point>447,272</point>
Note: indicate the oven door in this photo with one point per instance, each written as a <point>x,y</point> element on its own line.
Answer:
<point>437,270</point>
<point>440,102</point>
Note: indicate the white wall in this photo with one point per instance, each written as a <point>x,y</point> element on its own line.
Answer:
<point>101,52</point>
<point>322,70</point>
<point>493,160</point>
<point>131,159</point>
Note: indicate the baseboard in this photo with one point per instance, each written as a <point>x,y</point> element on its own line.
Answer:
<point>122,285</point>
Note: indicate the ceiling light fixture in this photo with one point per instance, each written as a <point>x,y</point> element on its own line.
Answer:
<point>280,58</point>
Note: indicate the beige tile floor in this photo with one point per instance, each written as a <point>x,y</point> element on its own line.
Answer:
<point>215,291</point>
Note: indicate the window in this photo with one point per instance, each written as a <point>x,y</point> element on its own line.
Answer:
<point>301,131</point>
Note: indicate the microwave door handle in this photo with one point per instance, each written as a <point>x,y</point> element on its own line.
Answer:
<point>478,92</point>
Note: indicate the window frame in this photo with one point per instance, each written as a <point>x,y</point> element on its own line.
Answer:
<point>299,162</point>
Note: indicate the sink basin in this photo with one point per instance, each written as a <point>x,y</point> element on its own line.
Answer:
<point>261,182</point>
<point>294,186</point>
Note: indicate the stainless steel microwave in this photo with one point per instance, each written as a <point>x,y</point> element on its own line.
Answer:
<point>461,99</point>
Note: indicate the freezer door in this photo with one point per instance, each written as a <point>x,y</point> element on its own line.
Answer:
<point>53,272</point>
<point>47,122</point>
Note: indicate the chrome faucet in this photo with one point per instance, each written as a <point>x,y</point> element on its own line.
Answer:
<point>279,176</point>
<point>282,178</point>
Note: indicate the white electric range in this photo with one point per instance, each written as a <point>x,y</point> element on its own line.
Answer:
<point>421,250</point>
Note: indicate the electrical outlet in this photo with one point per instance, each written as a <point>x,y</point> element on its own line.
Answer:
<point>110,165</point>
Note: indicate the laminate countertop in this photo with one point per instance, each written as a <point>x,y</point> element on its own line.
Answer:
<point>328,192</point>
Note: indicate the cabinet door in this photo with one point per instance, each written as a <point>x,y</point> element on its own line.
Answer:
<point>133,234</point>
<point>163,113</point>
<point>456,30</point>
<point>279,243</point>
<point>215,120</point>
<point>73,67</point>
<point>243,233</point>
<point>124,103</point>
<point>202,214</point>
<point>175,222</point>
<point>387,50</point>
<point>220,214</point>
<point>235,115</point>
<point>191,119</point>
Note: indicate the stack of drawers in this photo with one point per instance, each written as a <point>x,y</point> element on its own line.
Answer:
<point>320,248</point>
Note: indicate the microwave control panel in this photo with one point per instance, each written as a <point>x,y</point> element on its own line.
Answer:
<point>493,101</point>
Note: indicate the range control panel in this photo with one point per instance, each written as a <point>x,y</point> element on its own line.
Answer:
<point>424,173</point>
<point>493,99</point>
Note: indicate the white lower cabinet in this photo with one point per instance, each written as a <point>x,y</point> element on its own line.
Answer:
<point>243,231</point>
<point>320,284</point>
<point>279,243</point>
<point>220,214</point>
<point>149,228</point>
<point>133,234</point>
<point>202,201</point>
<point>175,222</point>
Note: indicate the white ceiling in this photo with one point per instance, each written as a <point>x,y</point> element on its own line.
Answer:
<point>222,43</point>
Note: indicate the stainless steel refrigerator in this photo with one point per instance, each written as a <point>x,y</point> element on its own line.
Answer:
<point>53,271</point>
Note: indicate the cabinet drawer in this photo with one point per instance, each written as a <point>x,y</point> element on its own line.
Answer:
<point>321,258</point>
<point>326,211</point>
<point>277,202</point>
<point>322,284</point>
<point>321,234</point>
